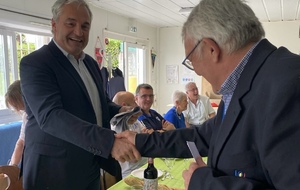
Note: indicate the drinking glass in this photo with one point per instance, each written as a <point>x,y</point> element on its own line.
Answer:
<point>169,163</point>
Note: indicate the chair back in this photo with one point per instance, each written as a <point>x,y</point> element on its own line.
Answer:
<point>13,173</point>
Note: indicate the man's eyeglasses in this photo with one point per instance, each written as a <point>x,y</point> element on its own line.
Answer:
<point>186,62</point>
<point>145,96</point>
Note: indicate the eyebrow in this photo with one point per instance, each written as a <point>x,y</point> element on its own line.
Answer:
<point>74,20</point>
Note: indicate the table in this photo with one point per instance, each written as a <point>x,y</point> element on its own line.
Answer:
<point>176,171</point>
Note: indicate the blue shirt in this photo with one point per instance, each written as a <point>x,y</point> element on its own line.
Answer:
<point>230,83</point>
<point>173,117</point>
<point>152,121</point>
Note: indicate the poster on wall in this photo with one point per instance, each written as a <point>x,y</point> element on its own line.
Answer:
<point>172,74</point>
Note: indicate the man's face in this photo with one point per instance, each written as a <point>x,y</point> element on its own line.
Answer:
<point>192,92</point>
<point>145,98</point>
<point>71,30</point>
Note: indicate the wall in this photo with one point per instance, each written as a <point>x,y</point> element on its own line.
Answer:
<point>172,53</point>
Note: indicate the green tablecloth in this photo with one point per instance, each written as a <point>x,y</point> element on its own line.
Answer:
<point>176,171</point>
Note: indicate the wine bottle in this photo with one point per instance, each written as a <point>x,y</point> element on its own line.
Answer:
<point>150,176</point>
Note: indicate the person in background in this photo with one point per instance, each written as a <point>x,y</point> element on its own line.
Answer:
<point>199,108</point>
<point>124,98</point>
<point>68,129</point>
<point>14,101</point>
<point>175,115</point>
<point>144,97</point>
<point>116,83</point>
<point>252,142</point>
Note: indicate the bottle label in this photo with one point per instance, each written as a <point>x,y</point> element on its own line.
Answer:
<point>150,184</point>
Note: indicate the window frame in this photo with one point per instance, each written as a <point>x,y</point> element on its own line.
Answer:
<point>6,115</point>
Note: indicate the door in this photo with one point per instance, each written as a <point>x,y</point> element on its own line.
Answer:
<point>134,65</point>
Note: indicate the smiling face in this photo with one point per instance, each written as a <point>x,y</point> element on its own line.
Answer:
<point>71,29</point>
<point>145,99</point>
<point>192,92</point>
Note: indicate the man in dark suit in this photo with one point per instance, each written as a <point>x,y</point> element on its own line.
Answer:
<point>253,141</point>
<point>68,136</point>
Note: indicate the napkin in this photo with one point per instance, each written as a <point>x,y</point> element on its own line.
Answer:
<point>120,120</point>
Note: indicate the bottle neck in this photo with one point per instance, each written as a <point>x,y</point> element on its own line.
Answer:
<point>151,161</point>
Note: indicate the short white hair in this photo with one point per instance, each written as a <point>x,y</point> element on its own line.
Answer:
<point>178,96</point>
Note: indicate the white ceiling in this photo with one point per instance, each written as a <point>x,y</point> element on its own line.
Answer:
<point>165,13</point>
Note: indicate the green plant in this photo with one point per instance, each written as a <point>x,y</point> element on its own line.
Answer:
<point>113,50</point>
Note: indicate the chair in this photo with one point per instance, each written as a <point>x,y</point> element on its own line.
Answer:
<point>13,173</point>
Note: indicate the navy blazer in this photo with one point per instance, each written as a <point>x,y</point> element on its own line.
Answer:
<point>256,146</point>
<point>64,147</point>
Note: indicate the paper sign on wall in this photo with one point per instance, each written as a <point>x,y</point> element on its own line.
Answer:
<point>172,74</point>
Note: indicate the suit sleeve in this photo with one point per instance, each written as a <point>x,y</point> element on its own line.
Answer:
<point>167,144</point>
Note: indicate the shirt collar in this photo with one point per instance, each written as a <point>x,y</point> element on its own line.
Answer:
<point>67,54</point>
<point>230,83</point>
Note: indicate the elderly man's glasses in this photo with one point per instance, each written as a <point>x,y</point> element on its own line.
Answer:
<point>186,62</point>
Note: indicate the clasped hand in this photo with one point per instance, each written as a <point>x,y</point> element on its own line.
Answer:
<point>124,149</point>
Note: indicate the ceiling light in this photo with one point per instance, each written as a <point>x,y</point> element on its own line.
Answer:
<point>186,10</point>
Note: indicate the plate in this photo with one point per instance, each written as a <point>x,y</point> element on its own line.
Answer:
<point>139,173</point>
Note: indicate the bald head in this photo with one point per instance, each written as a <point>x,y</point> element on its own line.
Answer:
<point>124,98</point>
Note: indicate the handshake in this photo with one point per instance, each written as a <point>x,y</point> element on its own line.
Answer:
<point>124,147</point>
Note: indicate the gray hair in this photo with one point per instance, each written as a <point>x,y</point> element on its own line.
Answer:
<point>230,23</point>
<point>144,85</point>
<point>187,85</point>
<point>58,5</point>
<point>178,96</point>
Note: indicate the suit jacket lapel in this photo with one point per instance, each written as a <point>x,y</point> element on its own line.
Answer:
<point>258,57</point>
<point>64,62</point>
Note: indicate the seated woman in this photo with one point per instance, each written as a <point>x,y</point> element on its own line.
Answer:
<point>175,115</point>
<point>14,101</point>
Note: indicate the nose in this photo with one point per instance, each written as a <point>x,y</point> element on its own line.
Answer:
<point>78,30</point>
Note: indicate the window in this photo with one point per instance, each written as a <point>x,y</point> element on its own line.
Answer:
<point>130,59</point>
<point>13,46</point>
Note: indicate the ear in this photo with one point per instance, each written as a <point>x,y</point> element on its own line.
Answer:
<point>214,49</point>
<point>53,24</point>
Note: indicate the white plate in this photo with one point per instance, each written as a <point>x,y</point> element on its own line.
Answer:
<point>139,173</point>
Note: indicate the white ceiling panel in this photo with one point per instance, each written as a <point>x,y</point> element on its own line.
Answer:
<point>165,13</point>
<point>290,9</point>
<point>274,9</point>
<point>259,9</point>
<point>184,3</point>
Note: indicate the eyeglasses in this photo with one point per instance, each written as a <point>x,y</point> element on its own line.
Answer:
<point>186,62</point>
<point>145,96</point>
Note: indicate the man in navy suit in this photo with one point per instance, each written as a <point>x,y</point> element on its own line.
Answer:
<point>68,136</point>
<point>253,141</point>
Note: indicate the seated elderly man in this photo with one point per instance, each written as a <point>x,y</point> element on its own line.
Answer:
<point>124,98</point>
<point>199,108</point>
<point>152,120</point>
